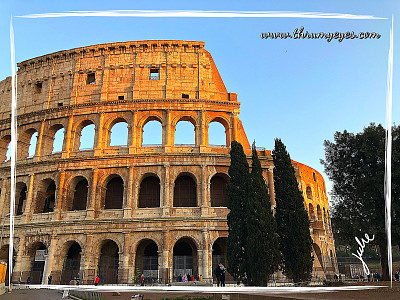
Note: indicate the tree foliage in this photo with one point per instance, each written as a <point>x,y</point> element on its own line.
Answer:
<point>263,254</point>
<point>238,192</point>
<point>356,165</point>
<point>291,218</point>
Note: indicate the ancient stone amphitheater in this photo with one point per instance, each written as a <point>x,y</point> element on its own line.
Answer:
<point>121,210</point>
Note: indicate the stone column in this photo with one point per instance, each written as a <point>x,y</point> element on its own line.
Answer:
<point>17,272</point>
<point>234,122</point>
<point>202,132</point>
<point>69,142</point>
<point>39,145</point>
<point>3,196</point>
<point>91,208</point>
<point>129,194</point>
<point>166,202</point>
<point>29,200</point>
<point>98,138</point>
<point>124,271</point>
<point>271,185</point>
<point>168,130</point>
<point>205,262</point>
<point>203,186</point>
<point>132,144</point>
<point>90,266</point>
<point>59,201</point>
<point>50,259</point>
<point>165,269</point>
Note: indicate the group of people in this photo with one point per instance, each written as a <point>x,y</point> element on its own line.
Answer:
<point>219,272</point>
<point>186,278</point>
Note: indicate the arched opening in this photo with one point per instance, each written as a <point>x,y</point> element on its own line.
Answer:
<point>311,212</point>
<point>27,143</point>
<point>87,136</point>
<point>80,195</point>
<point>185,133</point>
<point>114,193</point>
<point>309,193</point>
<point>149,193</point>
<point>21,197</point>
<point>152,133</point>
<point>217,135</point>
<point>319,213</point>
<point>146,261</point>
<point>45,200</point>
<point>185,258</point>
<point>58,140</point>
<point>72,263</point>
<point>318,262</point>
<point>38,255</point>
<point>5,148</point>
<point>4,257</point>
<point>32,144</point>
<point>108,262</point>
<point>119,133</point>
<point>218,193</point>
<point>219,252</point>
<point>185,193</point>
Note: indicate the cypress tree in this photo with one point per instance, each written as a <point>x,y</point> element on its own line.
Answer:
<point>292,218</point>
<point>238,192</point>
<point>263,254</point>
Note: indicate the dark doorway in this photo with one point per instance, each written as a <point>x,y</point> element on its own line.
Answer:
<point>109,262</point>
<point>185,258</point>
<point>185,192</point>
<point>80,195</point>
<point>149,194</point>
<point>38,263</point>
<point>219,195</point>
<point>114,194</point>
<point>21,200</point>
<point>147,259</point>
<point>50,198</point>
<point>72,263</point>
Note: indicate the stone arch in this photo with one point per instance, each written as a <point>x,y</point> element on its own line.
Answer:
<point>4,256</point>
<point>51,141</point>
<point>318,263</point>
<point>45,196</point>
<point>185,118</point>
<point>218,192</point>
<point>77,132</point>
<point>77,193</point>
<point>309,192</point>
<point>25,142</point>
<point>37,261</point>
<point>225,123</point>
<point>219,253</point>
<point>185,259</point>
<point>113,192</point>
<point>144,122</point>
<point>149,191</point>
<point>311,211</point>
<point>146,258</point>
<point>319,214</point>
<point>185,190</point>
<point>70,257</point>
<point>109,126</point>
<point>4,145</point>
<point>108,263</point>
<point>21,192</point>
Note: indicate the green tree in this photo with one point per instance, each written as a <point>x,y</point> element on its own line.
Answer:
<point>356,165</point>
<point>292,218</point>
<point>238,192</point>
<point>263,255</point>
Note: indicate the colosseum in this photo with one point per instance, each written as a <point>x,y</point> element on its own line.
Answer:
<point>121,210</point>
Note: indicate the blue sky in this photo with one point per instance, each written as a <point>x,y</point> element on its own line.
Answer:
<point>301,91</point>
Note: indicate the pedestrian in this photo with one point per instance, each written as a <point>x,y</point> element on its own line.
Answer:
<point>217,273</point>
<point>222,272</point>
<point>396,276</point>
<point>142,280</point>
<point>28,280</point>
<point>184,278</point>
<point>200,277</point>
<point>96,281</point>
<point>180,278</point>
<point>77,279</point>
<point>192,278</point>
<point>49,279</point>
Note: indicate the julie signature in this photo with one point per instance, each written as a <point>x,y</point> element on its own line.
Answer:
<point>360,251</point>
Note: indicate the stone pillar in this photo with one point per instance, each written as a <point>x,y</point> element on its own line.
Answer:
<point>50,259</point>
<point>17,272</point>
<point>91,208</point>
<point>90,265</point>
<point>204,254</point>
<point>98,137</point>
<point>271,189</point>
<point>165,271</point>
<point>203,187</point>
<point>29,199</point>
<point>132,144</point>
<point>39,144</point>
<point>234,122</point>
<point>201,132</point>
<point>168,130</point>
<point>3,196</point>
<point>129,194</point>
<point>69,142</point>
<point>59,202</point>
<point>166,202</point>
<point>124,271</point>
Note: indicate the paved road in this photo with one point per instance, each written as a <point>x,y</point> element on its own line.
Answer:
<point>32,295</point>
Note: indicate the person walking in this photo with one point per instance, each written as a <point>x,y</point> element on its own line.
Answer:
<point>96,281</point>
<point>222,276</point>
<point>49,279</point>
<point>142,280</point>
<point>217,273</point>
<point>184,278</point>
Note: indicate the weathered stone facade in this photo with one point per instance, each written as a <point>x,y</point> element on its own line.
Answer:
<point>145,208</point>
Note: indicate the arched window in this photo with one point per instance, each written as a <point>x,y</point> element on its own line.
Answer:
<point>32,145</point>
<point>119,134</point>
<point>152,133</point>
<point>311,212</point>
<point>87,137</point>
<point>219,195</point>
<point>21,199</point>
<point>50,198</point>
<point>5,148</point>
<point>185,194</point>
<point>114,194</point>
<point>309,192</point>
<point>185,133</point>
<point>216,134</point>
<point>149,194</point>
<point>319,213</point>
<point>58,140</point>
<point>80,195</point>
